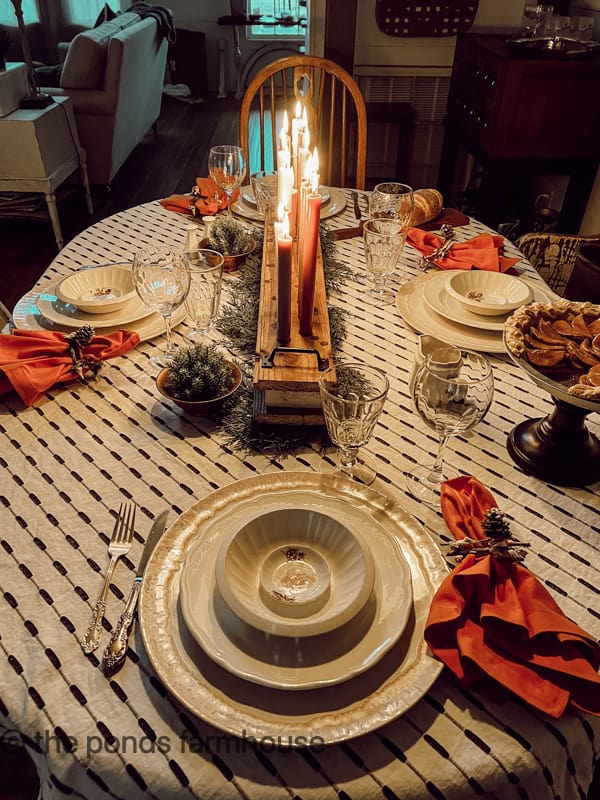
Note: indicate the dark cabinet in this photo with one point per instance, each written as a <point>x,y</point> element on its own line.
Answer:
<point>519,116</point>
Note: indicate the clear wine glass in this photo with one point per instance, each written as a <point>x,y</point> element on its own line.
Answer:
<point>383,248</point>
<point>227,167</point>
<point>392,204</point>
<point>161,276</point>
<point>452,392</point>
<point>352,396</point>
<point>204,297</point>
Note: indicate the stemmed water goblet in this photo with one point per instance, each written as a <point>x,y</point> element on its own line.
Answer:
<point>452,391</point>
<point>204,296</point>
<point>352,397</point>
<point>392,204</point>
<point>161,276</point>
<point>227,167</point>
<point>383,248</point>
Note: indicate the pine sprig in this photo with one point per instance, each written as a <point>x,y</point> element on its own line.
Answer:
<point>199,372</point>
<point>229,237</point>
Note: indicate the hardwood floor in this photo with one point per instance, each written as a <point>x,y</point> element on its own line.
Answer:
<point>160,165</point>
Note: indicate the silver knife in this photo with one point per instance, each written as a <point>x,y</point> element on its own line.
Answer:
<point>116,649</point>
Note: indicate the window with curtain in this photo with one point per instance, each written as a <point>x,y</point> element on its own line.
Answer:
<point>7,12</point>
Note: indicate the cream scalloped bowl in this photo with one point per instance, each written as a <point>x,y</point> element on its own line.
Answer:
<point>97,290</point>
<point>488,293</point>
<point>294,572</point>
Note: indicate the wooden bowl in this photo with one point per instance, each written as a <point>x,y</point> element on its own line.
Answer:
<point>199,407</point>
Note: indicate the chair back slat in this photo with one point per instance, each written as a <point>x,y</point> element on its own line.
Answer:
<point>336,116</point>
<point>273,112</point>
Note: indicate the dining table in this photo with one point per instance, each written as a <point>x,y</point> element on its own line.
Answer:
<point>177,720</point>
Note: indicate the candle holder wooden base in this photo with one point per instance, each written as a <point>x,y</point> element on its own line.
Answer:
<point>286,375</point>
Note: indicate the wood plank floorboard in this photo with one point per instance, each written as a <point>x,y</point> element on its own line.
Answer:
<point>164,163</point>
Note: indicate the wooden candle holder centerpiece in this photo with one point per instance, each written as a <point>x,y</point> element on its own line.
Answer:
<point>286,374</point>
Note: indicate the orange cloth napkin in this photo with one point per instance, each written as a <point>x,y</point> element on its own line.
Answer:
<point>492,617</point>
<point>480,252</point>
<point>31,362</point>
<point>205,200</point>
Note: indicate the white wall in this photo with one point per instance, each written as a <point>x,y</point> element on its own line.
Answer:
<point>202,15</point>
<point>375,48</point>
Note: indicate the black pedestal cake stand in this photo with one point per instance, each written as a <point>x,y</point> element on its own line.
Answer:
<point>557,448</point>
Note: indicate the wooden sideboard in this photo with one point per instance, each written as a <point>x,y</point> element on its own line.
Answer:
<point>519,116</point>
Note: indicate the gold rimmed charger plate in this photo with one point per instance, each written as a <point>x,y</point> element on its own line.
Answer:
<point>335,205</point>
<point>247,195</point>
<point>296,662</point>
<point>334,713</point>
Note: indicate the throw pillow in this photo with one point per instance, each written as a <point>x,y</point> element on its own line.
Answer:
<point>86,58</point>
<point>85,61</point>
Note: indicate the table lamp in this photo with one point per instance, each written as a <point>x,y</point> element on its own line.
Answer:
<point>35,98</point>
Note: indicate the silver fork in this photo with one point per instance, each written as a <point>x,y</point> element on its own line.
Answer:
<point>119,545</point>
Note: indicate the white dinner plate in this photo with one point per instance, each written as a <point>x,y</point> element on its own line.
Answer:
<point>247,195</point>
<point>440,300</point>
<point>297,662</point>
<point>414,310</point>
<point>336,205</point>
<point>55,310</point>
<point>27,315</point>
<point>332,713</point>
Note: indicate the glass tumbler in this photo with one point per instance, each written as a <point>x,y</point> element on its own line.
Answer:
<point>204,297</point>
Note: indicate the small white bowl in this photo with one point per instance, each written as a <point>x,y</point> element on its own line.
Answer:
<point>294,572</point>
<point>97,290</point>
<point>295,581</point>
<point>488,293</point>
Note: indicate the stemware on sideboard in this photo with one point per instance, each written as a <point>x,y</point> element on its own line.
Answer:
<point>452,392</point>
<point>227,167</point>
<point>161,276</point>
<point>352,396</point>
<point>204,296</point>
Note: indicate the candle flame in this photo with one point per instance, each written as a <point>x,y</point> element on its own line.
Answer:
<point>286,122</point>
<point>285,224</point>
<point>281,213</point>
<point>298,109</point>
<point>304,118</point>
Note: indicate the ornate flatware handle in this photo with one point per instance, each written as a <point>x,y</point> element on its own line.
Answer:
<point>116,650</point>
<point>91,638</point>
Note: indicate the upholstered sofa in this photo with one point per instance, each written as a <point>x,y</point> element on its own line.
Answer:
<point>114,74</point>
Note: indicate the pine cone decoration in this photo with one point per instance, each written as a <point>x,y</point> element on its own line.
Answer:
<point>84,367</point>
<point>495,525</point>
<point>82,336</point>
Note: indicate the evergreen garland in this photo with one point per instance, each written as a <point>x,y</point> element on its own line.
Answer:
<point>238,323</point>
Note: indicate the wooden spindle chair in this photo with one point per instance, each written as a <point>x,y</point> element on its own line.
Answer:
<point>336,116</point>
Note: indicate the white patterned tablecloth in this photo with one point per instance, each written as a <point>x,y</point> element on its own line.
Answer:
<point>69,461</point>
